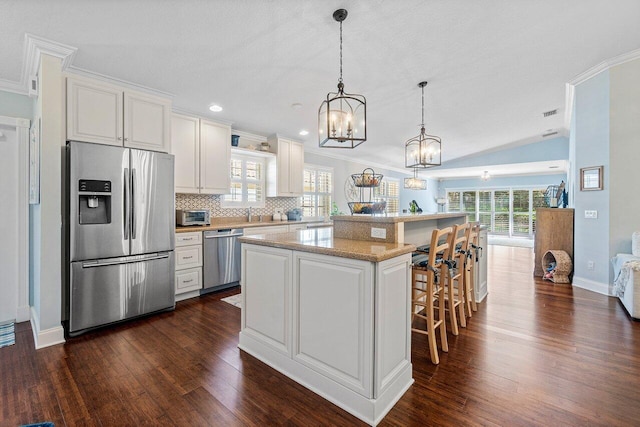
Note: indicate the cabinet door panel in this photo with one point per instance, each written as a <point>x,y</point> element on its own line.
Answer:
<point>284,161</point>
<point>336,342</point>
<point>215,156</point>
<point>147,122</point>
<point>94,113</point>
<point>296,169</point>
<point>185,146</point>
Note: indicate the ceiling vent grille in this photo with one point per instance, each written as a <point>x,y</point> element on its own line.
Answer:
<point>544,135</point>
<point>550,113</point>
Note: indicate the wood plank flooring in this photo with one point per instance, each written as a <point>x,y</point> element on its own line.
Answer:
<point>534,353</point>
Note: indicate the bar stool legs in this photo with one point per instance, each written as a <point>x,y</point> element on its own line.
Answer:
<point>425,291</point>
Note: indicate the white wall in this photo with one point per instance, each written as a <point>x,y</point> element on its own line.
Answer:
<point>591,138</point>
<point>14,105</point>
<point>624,156</point>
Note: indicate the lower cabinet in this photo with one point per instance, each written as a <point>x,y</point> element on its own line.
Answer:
<point>188,262</point>
<point>480,272</point>
<point>335,318</point>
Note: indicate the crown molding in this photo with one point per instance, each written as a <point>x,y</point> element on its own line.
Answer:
<point>118,82</point>
<point>34,48</point>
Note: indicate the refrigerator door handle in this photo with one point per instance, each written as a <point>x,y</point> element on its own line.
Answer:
<point>125,210</point>
<point>91,264</point>
<point>133,203</point>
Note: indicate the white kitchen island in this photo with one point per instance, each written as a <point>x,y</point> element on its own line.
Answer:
<point>331,314</point>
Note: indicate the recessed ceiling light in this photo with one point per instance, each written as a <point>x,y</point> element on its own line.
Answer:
<point>296,106</point>
<point>554,167</point>
<point>304,132</point>
<point>215,108</point>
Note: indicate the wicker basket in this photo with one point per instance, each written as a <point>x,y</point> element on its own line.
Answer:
<point>563,269</point>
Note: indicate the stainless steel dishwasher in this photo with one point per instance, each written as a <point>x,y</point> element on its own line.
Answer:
<point>221,259</point>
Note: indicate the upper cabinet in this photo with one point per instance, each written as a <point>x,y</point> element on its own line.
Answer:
<point>286,171</point>
<point>106,114</point>
<point>202,151</point>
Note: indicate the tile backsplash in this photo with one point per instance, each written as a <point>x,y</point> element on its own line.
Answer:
<point>212,202</point>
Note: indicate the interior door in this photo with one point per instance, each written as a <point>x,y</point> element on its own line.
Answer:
<point>152,202</point>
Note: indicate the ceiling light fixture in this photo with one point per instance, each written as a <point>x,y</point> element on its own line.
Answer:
<point>342,116</point>
<point>215,108</point>
<point>423,151</point>
<point>415,183</point>
<point>304,132</point>
<point>485,176</point>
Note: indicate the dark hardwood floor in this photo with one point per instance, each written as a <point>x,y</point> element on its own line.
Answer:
<point>534,353</point>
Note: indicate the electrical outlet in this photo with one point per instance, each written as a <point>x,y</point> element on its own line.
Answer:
<point>591,214</point>
<point>591,265</point>
<point>379,233</point>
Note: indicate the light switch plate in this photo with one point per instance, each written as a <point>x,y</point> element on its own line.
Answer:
<point>591,214</point>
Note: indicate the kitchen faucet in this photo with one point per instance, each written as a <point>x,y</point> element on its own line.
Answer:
<point>249,215</point>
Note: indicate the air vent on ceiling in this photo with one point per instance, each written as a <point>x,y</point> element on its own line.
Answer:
<point>544,135</point>
<point>550,113</point>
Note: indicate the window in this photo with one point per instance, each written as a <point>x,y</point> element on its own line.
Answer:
<point>388,191</point>
<point>247,183</point>
<point>510,212</point>
<point>317,191</point>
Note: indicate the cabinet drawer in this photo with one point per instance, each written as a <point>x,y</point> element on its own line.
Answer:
<point>188,239</point>
<point>188,257</point>
<point>188,280</point>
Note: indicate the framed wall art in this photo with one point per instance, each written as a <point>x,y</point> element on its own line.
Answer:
<point>591,178</point>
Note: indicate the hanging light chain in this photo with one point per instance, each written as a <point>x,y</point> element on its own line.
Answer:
<point>340,79</point>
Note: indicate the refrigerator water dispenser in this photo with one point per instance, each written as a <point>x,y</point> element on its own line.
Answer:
<point>94,200</point>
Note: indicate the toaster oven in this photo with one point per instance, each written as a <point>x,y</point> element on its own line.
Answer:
<point>193,217</point>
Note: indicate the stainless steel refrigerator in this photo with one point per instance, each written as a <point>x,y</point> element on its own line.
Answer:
<point>121,225</point>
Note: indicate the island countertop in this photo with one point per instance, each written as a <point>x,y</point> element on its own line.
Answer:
<point>399,217</point>
<point>321,241</point>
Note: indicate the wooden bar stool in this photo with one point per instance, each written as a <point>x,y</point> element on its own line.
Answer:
<point>454,279</point>
<point>425,291</point>
<point>470,267</point>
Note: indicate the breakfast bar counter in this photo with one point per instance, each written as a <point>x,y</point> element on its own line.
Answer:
<point>394,228</point>
<point>332,314</point>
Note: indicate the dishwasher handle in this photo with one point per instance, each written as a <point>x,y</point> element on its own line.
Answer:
<point>222,236</point>
<point>224,232</point>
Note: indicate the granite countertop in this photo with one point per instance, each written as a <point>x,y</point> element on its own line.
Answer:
<point>321,241</point>
<point>401,217</point>
<point>240,222</point>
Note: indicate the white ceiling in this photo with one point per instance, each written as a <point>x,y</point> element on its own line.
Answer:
<point>493,66</point>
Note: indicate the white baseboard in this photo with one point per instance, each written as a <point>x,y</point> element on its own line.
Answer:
<point>48,337</point>
<point>23,314</point>
<point>592,285</point>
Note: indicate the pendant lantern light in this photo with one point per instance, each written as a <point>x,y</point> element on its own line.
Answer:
<point>423,151</point>
<point>415,183</point>
<point>342,116</point>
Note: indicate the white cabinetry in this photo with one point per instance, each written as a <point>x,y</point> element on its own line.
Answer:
<point>285,172</point>
<point>202,151</point>
<point>354,350</point>
<point>105,114</point>
<point>188,263</point>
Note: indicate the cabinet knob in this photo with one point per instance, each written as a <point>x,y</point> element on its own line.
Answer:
<point>126,139</point>
<point>119,138</point>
